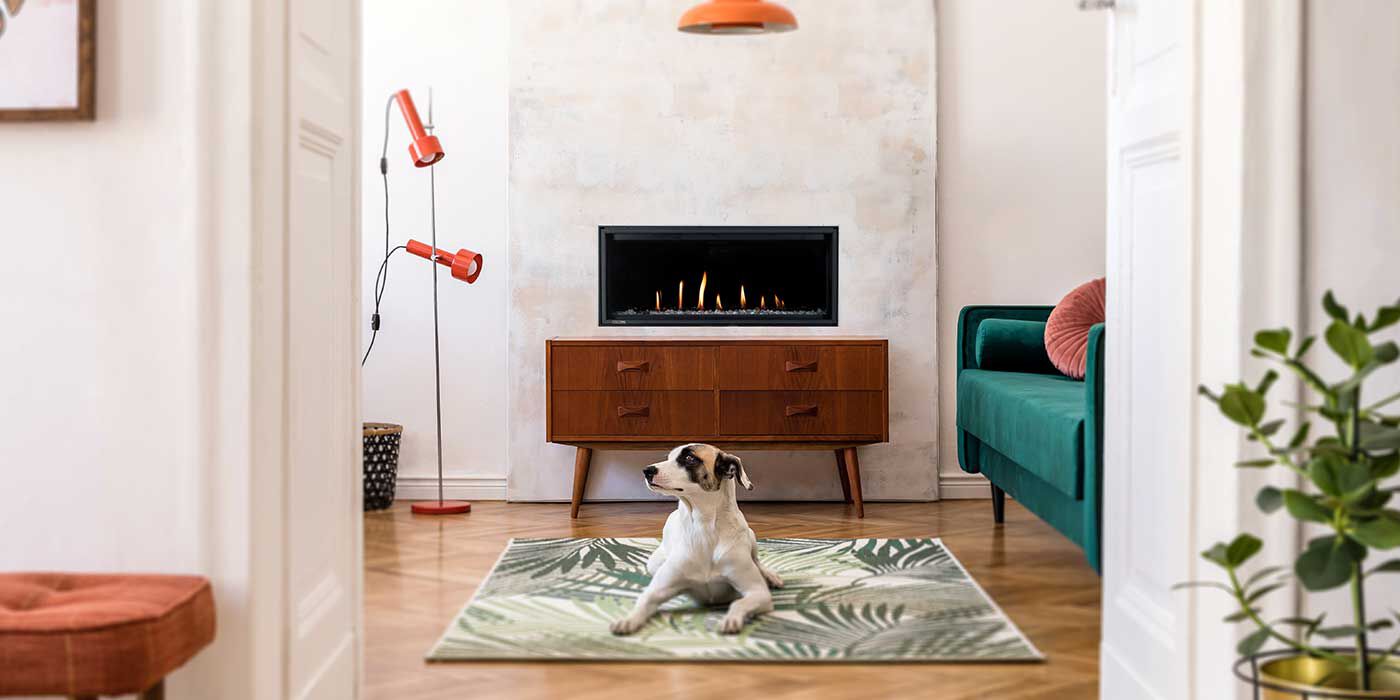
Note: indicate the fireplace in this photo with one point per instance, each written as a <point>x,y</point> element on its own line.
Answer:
<point>717,275</point>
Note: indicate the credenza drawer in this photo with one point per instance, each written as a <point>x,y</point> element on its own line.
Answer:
<point>588,413</point>
<point>631,367</point>
<point>801,367</point>
<point>828,413</point>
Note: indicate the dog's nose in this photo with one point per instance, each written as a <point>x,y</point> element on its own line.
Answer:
<point>649,472</point>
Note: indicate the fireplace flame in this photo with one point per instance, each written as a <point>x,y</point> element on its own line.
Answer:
<point>763,301</point>
<point>680,295</point>
<point>700,303</point>
<point>719,303</point>
<point>658,300</point>
<point>778,302</point>
<point>743,301</point>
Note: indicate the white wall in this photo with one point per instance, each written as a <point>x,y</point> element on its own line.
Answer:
<point>100,446</point>
<point>1351,192</point>
<point>616,118</point>
<point>1021,174</point>
<point>459,50</point>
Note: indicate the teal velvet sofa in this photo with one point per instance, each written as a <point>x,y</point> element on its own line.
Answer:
<point>1033,432</point>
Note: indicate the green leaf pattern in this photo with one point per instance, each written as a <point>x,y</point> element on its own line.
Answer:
<point>843,600</point>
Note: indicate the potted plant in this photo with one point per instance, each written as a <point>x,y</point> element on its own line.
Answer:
<point>1339,469</point>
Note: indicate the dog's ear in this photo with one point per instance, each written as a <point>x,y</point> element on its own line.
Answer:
<point>727,466</point>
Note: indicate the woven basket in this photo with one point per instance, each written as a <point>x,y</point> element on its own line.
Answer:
<point>381,463</point>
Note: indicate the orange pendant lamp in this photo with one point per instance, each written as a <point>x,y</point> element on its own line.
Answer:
<point>737,17</point>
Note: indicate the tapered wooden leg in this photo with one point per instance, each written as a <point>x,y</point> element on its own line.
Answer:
<point>841,472</point>
<point>155,692</point>
<point>581,461</point>
<point>853,475</point>
<point>998,504</point>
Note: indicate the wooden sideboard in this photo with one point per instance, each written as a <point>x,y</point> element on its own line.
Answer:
<point>736,393</point>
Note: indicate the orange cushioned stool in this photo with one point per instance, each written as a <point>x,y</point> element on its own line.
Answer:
<point>85,635</point>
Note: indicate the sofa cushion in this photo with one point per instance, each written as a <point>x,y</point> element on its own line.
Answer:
<point>1012,345</point>
<point>1037,420</point>
<point>1067,329</point>
<point>98,634</point>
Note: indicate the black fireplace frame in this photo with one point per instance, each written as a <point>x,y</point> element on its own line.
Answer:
<point>724,233</point>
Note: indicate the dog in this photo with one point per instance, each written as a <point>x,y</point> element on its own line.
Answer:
<point>707,548</point>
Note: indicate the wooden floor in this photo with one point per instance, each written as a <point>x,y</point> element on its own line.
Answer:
<point>420,570</point>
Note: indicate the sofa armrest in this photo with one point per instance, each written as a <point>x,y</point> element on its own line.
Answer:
<point>972,316</point>
<point>1093,445</point>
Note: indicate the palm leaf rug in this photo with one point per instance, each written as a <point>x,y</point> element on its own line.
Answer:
<point>844,600</point>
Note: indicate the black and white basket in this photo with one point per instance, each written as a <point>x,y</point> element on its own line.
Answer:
<point>381,463</point>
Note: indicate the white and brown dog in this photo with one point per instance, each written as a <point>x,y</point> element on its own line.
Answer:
<point>707,548</point>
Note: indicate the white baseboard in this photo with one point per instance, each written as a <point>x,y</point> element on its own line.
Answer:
<point>468,488</point>
<point>955,486</point>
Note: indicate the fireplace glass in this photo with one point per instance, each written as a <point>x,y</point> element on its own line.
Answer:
<point>717,275</point>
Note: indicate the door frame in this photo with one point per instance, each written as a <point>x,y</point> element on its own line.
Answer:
<point>241,158</point>
<point>1241,132</point>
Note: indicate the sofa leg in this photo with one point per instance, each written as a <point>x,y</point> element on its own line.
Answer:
<point>155,692</point>
<point>998,504</point>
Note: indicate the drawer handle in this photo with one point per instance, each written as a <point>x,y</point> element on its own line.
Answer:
<point>633,411</point>
<point>800,366</point>
<point>632,365</point>
<point>806,409</point>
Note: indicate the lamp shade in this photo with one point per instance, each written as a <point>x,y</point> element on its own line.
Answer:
<point>466,264</point>
<point>425,149</point>
<point>737,17</point>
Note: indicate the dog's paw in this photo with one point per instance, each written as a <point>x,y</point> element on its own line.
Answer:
<point>773,579</point>
<point>627,625</point>
<point>731,624</point>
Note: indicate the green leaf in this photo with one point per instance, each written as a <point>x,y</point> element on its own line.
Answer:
<point>1349,343</point>
<point>1385,316</point>
<point>1256,595</point>
<point>1379,532</point>
<point>1269,499</point>
<point>1304,507</point>
<point>1268,429</point>
<point>1240,616</point>
<point>1275,341</point>
<point>1339,631</point>
<point>1379,625</point>
<point>1386,466</point>
<point>1203,584</point>
<point>1241,405</point>
<point>1299,436</point>
<point>1265,382</point>
<point>1386,352</point>
<point>1333,309</point>
<point>1205,391</point>
<point>1251,644</point>
<point>1305,345</point>
<point>1379,438</point>
<point>1242,548</point>
<point>1217,553</point>
<point>1327,562</point>
<point>1337,476</point>
<point>1255,463</point>
<point>1262,574</point>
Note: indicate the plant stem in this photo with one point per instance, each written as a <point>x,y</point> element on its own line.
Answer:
<point>1296,645</point>
<point>1358,609</point>
<point>1358,590</point>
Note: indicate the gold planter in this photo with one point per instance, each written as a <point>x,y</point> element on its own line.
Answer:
<point>1294,677</point>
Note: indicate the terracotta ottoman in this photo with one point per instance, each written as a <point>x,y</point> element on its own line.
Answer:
<point>85,635</point>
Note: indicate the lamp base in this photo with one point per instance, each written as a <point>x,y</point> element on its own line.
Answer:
<point>441,507</point>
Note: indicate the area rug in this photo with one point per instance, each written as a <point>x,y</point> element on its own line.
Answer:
<point>860,600</point>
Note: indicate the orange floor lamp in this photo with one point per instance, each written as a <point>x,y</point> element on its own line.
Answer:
<point>425,150</point>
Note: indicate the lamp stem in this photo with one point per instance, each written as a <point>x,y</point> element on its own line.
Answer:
<point>437,355</point>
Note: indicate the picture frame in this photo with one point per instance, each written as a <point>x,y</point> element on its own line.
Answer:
<point>46,72</point>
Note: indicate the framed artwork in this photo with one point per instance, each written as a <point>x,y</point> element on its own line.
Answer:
<point>48,60</point>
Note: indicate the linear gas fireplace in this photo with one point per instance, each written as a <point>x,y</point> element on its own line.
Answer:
<point>717,275</point>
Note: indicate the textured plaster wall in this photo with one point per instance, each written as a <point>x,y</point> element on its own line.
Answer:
<point>616,118</point>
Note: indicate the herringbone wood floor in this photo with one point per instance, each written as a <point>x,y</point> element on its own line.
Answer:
<point>420,570</point>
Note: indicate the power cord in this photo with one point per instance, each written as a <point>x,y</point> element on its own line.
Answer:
<point>381,279</point>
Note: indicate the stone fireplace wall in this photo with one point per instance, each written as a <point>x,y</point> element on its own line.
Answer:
<point>618,119</point>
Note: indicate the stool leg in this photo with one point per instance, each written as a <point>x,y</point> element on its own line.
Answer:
<point>155,692</point>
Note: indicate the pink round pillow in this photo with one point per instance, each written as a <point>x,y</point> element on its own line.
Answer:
<point>1067,331</point>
